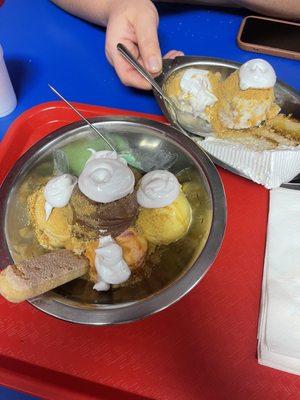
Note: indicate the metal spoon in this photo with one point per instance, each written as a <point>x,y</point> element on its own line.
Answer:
<point>82,117</point>
<point>138,67</point>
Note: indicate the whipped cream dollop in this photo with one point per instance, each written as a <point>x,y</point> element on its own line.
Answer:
<point>257,74</point>
<point>110,265</point>
<point>196,84</point>
<point>106,177</point>
<point>58,192</point>
<point>158,189</point>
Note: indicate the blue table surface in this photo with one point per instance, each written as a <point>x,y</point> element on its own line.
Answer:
<point>44,44</point>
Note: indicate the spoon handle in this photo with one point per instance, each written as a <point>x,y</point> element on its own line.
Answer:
<point>129,57</point>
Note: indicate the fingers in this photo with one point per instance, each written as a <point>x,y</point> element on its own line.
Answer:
<point>173,53</point>
<point>119,31</point>
<point>128,75</point>
<point>147,40</point>
<point>136,28</point>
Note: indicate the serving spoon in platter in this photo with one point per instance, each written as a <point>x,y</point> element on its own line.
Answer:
<point>139,68</point>
<point>184,121</point>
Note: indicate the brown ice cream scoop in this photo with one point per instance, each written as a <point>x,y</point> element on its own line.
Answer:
<point>93,219</point>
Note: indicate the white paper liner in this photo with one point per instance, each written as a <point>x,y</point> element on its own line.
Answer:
<point>269,168</point>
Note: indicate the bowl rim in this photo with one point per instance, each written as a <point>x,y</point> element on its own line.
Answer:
<point>129,312</point>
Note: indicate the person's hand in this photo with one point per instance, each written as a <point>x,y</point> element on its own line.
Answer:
<point>134,23</point>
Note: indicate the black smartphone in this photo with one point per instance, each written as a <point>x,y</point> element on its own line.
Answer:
<point>270,36</point>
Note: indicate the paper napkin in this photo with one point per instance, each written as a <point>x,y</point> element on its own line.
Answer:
<point>279,325</point>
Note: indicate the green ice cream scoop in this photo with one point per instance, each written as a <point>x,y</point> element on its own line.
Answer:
<point>79,152</point>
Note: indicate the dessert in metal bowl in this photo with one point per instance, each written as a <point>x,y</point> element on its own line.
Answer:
<point>114,236</point>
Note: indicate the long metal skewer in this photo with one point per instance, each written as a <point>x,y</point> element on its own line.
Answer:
<point>82,117</point>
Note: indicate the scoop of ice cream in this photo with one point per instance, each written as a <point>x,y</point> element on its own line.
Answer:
<point>56,231</point>
<point>79,151</point>
<point>134,247</point>
<point>106,177</point>
<point>104,154</point>
<point>241,109</point>
<point>110,264</point>
<point>157,189</point>
<point>93,219</point>
<point>193,90</point>
<point>196,87</point>
<point>167,224</point>
<point>257,74</point>
<point>58,192</point>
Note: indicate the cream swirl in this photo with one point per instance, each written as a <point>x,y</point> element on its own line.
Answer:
<point>196,84</point>
<point>257,74</point>
<point>106,177</point>
<point>105,154</point>
<point>158,189</point>
<point>58,192</point>
<point>110,265</point>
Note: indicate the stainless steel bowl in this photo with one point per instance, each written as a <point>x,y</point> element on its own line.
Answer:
<point>148,145</point>
<point>287,97</point>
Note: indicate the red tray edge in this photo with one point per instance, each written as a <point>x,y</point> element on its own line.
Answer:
<point>22,376</point>
<point>31,112</point>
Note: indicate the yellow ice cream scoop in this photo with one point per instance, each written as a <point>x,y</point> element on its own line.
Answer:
<point>54,232</point>
<point>167,224</point>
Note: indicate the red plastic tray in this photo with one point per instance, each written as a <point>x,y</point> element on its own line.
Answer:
<point>203,347</point>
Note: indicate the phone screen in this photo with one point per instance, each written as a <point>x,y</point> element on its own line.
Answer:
<point>272,34</point>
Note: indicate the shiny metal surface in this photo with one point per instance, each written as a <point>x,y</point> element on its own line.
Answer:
<point>152,145</point>
<point>287,97</point>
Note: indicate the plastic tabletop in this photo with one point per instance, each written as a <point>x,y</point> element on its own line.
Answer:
<point>44,44</point>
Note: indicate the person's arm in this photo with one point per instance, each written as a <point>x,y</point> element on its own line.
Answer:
<point>284,9</point>
<point>131,22</point>
<point>90,10</point>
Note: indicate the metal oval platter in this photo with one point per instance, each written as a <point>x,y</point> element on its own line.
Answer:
<point>287,97</point>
